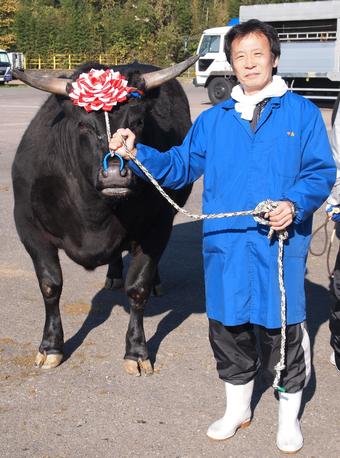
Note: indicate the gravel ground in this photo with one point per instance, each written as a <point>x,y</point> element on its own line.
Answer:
<point>88,406</point>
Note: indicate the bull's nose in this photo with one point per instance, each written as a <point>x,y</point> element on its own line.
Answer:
<point>114,174</point>
<point>115,163</point>
<point>114,170</point>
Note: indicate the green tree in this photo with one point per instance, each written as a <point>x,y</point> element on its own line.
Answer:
<point>154,31</point>
<point>8,9</point>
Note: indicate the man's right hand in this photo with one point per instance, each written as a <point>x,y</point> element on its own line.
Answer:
<point>116,143</point>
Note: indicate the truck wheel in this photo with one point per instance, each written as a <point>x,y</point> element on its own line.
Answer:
<point>219,89</point>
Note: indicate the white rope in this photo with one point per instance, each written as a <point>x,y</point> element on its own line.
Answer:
<point>108,129</point>
<point>258,214</point>
<point>281,364</point>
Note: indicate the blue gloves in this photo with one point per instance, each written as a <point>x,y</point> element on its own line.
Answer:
<point>333,212</point>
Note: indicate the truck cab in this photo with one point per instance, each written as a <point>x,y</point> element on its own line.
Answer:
<point>5,67</point>
<point>212,69</point>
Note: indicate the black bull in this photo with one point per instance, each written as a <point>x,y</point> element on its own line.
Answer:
<point>64,200</point>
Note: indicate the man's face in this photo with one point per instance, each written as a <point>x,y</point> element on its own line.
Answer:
<point>252,62</point>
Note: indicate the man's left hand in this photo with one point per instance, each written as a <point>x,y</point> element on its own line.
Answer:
<point>333,212</point>
<point>282,216</point>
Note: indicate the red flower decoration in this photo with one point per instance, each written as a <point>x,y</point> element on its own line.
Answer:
<point>100,90</point>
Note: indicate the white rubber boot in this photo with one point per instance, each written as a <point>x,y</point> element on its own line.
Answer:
<point>237,414</point>
<point>332,358</point>
<point>289,437</point>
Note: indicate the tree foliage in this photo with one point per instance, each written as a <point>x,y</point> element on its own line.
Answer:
<point>8,9</point>
<point>155,31</point>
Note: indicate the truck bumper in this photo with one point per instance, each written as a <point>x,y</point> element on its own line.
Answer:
<point>6,78</point>
<point>196,83</point>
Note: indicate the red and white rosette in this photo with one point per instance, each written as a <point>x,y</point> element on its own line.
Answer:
<point>100,90</point>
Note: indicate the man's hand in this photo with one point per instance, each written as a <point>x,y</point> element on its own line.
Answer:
<point>116,143</point>
<point>333,212</point>
<point>282,216</point>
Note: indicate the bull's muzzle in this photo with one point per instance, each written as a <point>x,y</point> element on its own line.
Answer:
<point>115,180</point>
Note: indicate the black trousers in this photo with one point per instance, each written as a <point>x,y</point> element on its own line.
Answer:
<point>334,320</point>
<point>240,352</point>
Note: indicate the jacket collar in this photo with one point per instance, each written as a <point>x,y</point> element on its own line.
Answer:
<point>273,101</point>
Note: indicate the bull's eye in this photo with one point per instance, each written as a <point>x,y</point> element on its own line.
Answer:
<point>137,124</point>
<point>82,126</point>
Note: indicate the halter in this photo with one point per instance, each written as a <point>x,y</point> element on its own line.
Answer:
<point>102,90</point>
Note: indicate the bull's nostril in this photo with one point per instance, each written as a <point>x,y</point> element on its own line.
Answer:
<point>123,172</point>
<point>104,173</point>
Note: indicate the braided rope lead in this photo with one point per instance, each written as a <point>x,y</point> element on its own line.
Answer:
<point>283,235</point>
<point>258,214</point>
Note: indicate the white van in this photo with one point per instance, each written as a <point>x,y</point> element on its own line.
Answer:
<point>5,67</point>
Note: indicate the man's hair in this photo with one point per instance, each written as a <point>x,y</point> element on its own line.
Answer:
<point>252,26</point>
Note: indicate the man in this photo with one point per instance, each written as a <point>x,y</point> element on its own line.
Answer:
<point>333,210</point>
<point>263,143</point>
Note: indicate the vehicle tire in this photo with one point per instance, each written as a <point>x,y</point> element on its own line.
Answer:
<point>2,82</point>
<point>219,89</point>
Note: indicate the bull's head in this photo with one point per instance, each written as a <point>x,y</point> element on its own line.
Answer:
<point>115,179</point>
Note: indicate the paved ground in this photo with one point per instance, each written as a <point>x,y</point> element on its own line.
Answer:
<point>88,407</point>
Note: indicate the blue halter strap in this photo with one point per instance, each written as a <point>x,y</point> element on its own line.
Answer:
<point>106,160</point>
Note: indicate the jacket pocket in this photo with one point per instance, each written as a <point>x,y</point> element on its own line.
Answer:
<point>285,158</point>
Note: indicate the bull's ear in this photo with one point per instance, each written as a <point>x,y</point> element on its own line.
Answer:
<point>76,115</point>
<point>66,105</point>
<point>70,111</point>
<point>66,109</point>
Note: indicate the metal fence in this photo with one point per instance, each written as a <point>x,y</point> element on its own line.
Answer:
<point>71,61</point>
<point>66,61</point>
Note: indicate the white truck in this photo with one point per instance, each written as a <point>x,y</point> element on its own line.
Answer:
<point>5,67</point>
<point>310,49</point>
<point>17,60</point>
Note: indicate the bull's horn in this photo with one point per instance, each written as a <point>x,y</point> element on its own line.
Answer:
<point>44,83</point>
<point>155,79</point>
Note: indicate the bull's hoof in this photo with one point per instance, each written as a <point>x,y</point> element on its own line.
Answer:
<point>138,368</point>
<point>45,361</point>
<point>157,290</point>
<point>145,367</point>
<point>113,283</point>
<point>131,367</point>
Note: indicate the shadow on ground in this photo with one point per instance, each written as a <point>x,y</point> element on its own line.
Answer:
<point>182,279</point>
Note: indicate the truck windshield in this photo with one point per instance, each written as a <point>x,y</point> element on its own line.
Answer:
<point>210,43</point>
<point>4,58</point>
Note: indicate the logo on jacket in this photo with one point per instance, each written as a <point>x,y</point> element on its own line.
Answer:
<point>290,133</point>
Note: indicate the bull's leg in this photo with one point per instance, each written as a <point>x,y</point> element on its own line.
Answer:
<point>157,289</point>
<point>114,276</point>
<point>47,267</point>
<point>139,282</point>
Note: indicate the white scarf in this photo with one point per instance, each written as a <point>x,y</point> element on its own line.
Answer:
<point>246,103</point>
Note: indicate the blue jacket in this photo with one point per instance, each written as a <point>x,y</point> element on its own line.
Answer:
<point>287,157</point>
